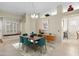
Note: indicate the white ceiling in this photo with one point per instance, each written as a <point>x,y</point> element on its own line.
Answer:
<point>19,8</point>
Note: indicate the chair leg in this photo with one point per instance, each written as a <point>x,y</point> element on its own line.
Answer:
<point>40,50</point>
<point>26,48</point>
<point>23,46</point>
<point>19,45</point>
<point>45,48</point>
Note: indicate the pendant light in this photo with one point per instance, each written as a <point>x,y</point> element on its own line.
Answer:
<point>34,15</point>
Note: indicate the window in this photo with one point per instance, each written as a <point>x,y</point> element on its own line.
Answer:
<point>11,26</point>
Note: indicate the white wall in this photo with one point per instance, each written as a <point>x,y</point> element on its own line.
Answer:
<point>33,24</point>
<point>29,25</point>
<point>26,24</point>
<point>64,20</point>
<point>40,24</point>
<point>3,14</point>
<point>55,26</point>
<point>23,24</point>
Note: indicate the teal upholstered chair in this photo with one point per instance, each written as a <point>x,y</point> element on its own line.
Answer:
<point>25,34</point>
<point>21,42</point>
<point>26,43</point>
<point>21,39</point>
<point>42,44</point>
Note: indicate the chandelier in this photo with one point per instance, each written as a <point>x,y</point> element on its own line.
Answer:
<point>34,15</point>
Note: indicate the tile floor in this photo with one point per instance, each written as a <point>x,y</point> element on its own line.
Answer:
<point>64,48</point>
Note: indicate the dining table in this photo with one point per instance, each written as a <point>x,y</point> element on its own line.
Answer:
<point>34,42</point>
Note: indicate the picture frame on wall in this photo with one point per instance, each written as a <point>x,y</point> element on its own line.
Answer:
<point>45,25</point>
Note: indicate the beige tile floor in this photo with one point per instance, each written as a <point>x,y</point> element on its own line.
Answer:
<point>64,48</point>
<point>6,48</point>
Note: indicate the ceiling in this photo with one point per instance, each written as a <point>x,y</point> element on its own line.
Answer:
<point>19,8</point>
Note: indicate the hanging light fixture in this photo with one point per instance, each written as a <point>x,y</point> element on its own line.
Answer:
<point>34,15</point>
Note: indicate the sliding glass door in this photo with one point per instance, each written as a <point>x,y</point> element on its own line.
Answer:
<point>71,27</point>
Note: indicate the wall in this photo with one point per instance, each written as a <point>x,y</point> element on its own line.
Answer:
<point>25,24</point>
<point>39,24</point>
<point>54,23</point>
<point>3,13</point>
<point>29,25</point>
<point>33,24</point>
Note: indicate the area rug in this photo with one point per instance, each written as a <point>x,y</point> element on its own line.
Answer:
<point>32,52</point>
<point>16,45</point>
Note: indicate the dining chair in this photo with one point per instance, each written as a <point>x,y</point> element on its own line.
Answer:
<point>25,34</point>
<point>32,33</point>
<point>21,42</point>
<point>26,43</point>
<point>42,44</point>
